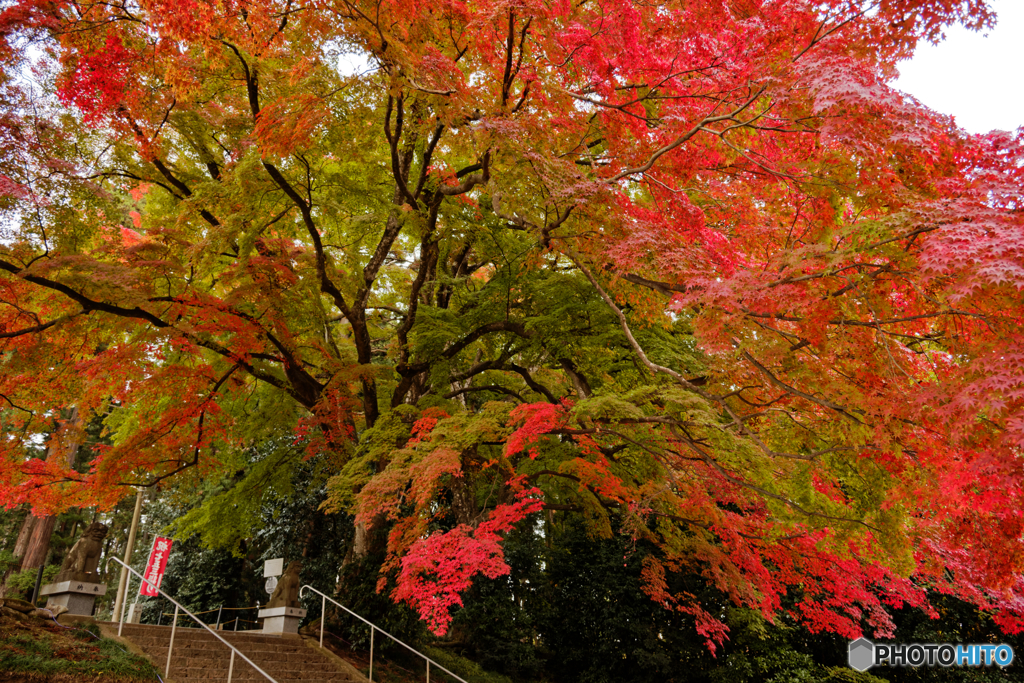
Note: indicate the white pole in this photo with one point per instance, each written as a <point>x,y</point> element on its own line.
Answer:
<point>372,629</point>
<point>231,666</point>
<point>120,601</point>
<point>120,624</point>
<point>170,646</point>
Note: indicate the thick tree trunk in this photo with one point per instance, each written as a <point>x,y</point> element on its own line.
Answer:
<point>39,543</point>
<point>63,446</point>
<point>359,544</point>
<point>24,535</point>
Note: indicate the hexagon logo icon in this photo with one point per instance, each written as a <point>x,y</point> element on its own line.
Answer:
<point>862,654</point>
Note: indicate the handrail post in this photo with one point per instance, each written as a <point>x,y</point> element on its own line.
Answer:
<point>323,613</point>
<point>428,671</point>
<point>219,610</point>
<point>231,666</point>
<point>170,646</point>
<point>124,603</point>
<point>373,630</point>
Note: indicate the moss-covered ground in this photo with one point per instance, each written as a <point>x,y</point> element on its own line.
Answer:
<point>34,650</point>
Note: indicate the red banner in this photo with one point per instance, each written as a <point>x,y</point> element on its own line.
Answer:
<point>156,565</point>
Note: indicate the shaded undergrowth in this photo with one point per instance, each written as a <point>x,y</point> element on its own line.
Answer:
<point>51,650</point>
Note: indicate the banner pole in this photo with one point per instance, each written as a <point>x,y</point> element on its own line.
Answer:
<point>128,549</point>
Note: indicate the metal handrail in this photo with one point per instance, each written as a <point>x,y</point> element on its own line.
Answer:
<point>373,627</point>
<point>174,626</point>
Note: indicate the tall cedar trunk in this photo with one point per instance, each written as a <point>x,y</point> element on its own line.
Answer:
<point>24,535</point>
<point>63,445</point>
<point>39,543</point>
<point>359,543</point>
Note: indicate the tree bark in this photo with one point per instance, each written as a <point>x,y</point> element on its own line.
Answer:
<point>64,446</point>
<point>39,543</point>
<point>24,535</point>
<point>359,543</point>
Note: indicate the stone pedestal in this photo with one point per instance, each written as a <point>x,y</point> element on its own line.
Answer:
<point>134,615</point>
<point>282,620</point>
<point>78,597</point>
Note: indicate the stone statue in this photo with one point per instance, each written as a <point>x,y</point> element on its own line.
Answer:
<point>287,592</point>
<point>80,563</point>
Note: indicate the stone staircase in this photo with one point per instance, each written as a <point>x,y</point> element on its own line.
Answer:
<point>198,656</point>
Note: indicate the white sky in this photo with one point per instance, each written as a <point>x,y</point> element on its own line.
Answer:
<point>978,79</point>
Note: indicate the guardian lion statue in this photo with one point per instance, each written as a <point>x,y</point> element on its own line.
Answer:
<point>80,563</point>
<point>287,592</point>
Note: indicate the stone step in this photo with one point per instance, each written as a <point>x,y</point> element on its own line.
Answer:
<point>188,633</point>
<point>213,652</point>
<point>203,675</point>
<point>214,644</point>
<point>249,674</point>
<point>298,660</point>
<point>208,658</point>
<point>192,674</point>
<point>242,671</point>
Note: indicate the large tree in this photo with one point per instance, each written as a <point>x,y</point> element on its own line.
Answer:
<point>691,265</point>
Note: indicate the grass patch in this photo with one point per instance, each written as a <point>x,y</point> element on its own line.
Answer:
<point>49,649</point>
